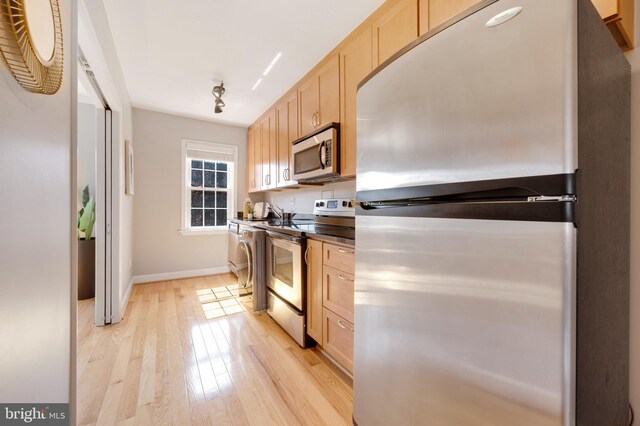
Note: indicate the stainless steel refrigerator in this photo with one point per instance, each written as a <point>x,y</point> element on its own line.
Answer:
<point>492,232</point>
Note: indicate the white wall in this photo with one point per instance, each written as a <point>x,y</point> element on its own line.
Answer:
<point>634,59</point>
<point>158,247</point>
<point>96,41</point>
<point>301,200</point>
<point>36,234</point>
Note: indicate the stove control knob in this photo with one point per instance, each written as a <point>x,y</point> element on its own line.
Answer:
<point>344,204</point>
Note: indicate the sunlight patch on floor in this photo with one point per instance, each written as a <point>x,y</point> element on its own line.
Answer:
<point>226,300</point>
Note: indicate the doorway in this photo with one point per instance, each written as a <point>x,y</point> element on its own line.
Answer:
<point>97,124</point>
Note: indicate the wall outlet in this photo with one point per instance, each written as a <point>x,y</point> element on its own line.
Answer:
<point>292,201</point>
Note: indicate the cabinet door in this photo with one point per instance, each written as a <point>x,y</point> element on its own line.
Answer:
<point>308,105</point>
<point>337,292</point>
<point>340,258</point>
<point>337,338</point>
<point>282,136</point>
<point>356,63</point>
<point>251,171</point>
<point>292,108</point>
<point>329,92</point>
<point>396,27</point>
<point>313,257</point>
<point>286,133</point>
<point>442,10</point>
<point>268,143</point>
<point>257,158</point>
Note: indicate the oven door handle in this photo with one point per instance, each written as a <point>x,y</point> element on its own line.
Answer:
<point>247,250</point>
<point>288,238</point>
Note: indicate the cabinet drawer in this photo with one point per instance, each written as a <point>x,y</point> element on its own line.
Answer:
<point>337,292</point>
<point>337,338</point>
<point>341,258</point>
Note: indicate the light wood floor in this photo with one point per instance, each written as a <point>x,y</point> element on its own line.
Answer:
<point>165,363</point>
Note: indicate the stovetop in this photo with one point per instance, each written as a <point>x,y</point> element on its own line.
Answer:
<point>333,219</point>
<point>303,227</point>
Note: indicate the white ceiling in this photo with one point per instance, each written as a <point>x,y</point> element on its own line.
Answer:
<point>173,53</point>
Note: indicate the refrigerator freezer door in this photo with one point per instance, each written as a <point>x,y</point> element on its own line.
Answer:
<point>475,103</point>
<point>464,322</point>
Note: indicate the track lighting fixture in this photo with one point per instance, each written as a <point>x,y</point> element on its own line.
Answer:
<point>218,91</point>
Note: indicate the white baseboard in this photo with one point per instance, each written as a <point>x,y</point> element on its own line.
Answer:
<point>139,279</point>
<point>124,303</point>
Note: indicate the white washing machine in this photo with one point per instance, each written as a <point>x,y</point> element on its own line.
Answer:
<point>250,258</point>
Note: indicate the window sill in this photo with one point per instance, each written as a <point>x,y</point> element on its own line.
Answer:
<point>195,232</point>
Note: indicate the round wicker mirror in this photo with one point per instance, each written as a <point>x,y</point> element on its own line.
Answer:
<point>31,43</point>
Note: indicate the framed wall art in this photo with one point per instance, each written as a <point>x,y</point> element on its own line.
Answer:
<point>129,181</point>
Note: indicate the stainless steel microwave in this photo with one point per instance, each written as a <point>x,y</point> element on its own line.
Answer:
<point>316,156</point>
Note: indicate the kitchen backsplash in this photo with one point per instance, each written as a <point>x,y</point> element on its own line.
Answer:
<point>301,200</point>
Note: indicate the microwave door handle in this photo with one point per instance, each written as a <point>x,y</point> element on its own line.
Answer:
<point>322,154</point>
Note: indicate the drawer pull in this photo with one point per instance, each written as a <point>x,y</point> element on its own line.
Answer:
<point>343,278</point>
<point>341,250</point>
<point>344,327</point>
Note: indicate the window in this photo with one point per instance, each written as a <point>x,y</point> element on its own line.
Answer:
<point>208,186</point>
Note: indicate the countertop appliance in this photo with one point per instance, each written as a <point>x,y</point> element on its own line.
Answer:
<point>492,226</point>
<point>261,210</point>
<point>316,156</point>
<point>250,264</point>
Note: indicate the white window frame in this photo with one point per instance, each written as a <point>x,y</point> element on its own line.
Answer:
<point>232,184</point>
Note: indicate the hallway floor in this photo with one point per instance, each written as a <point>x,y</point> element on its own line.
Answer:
<point>166,363</point>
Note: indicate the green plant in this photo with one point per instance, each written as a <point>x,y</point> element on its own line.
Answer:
<point>86,215</point>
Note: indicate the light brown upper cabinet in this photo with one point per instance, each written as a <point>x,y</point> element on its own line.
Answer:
<point>395,24</point>
<point>356,63</point>
<point>435,12</point>
<point>251,171</point>
<point>319,96</point>
<point>269,150</point>
<point>619,17</point>
<point>286,132</point>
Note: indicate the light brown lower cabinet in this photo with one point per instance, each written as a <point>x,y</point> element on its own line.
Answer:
<point>313,257</point>
<point>337,338</point>
<point>337,292</point>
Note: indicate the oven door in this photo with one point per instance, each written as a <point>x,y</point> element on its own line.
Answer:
<point>284,268</point>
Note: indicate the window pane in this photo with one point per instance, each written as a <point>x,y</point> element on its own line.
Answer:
<point>196,217</point>
<point>222,166</point>
<point>196,178</point>
<point>221,217</point>
<point>196,164</point>
<point>209,179</point>
<point>221,200</point>
<point>209,165</point>
<point>196,198</point>
<point>221,179</point>
<point>209,217</point>
<point>210,199</point>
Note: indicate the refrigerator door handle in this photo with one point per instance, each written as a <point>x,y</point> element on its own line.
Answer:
<point>556,198</point>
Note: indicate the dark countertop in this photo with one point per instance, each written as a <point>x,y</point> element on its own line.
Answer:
<point>305,227</point>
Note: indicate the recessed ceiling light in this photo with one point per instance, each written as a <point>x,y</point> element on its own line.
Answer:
<point>255,86</point>
<point>273,62</point>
